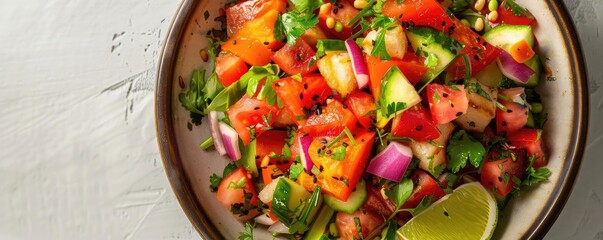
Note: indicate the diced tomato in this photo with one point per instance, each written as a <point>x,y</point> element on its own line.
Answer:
<point>516,115</point>
<point>230,194</point>
<point>415,123</point>
<point>295,59</point>
<point>480,53</point>
<point>363,106</point>
<point>229,68</point>
<point>343,12</point>
<point>247,114</point>
<point>530,140</point>
<point>521,51</point>
<point>411,66</point>
<point>506,16</point>
<point>499,169</point>
<point>425,186</point>
<point>301,96</point>
<point>339,177</point>
<point>261,29</point>
<point>347,227</point>
<point>272,141</point>
<point>239,14</point>
<point>431,14</point>
<point>446,103</point>
<point>427,13</point>
<point>376,203</point>
<point>250,50</point>
<point>330,120</point>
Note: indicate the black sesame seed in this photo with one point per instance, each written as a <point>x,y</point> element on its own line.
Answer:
<point>509,111</point>
<point>234,42</point>
<point>266,43</point>
<point>446,214</point>
<point>306,86</point>
<point>298,57</point>
<point>445,95</point>
<point>301,96</point>
<point>419,128</point>
<point>459,114</point>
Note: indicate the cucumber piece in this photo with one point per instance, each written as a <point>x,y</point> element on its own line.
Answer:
<point>397,95</point>
<point>491,76</point>
<point>505,36</point>
<point>248,158</point>
<point>439,48</point>
<point>534,64</point>
<point>329,45</point>
<point>287,201</point>
<point>350,206</point>
<point>317,230</point>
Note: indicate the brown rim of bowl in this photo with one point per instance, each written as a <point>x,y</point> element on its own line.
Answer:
<point>184,192</point>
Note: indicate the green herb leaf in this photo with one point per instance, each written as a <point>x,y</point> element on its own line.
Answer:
<point>214,182</point>
<point>394,108</point>
<point>516,9</point>
<point>383,24</point>
<point>339,153</point>
<point>424,204</point>
<point>295,170</point>
<point>248,233</point>
<point>400,192</point>
<point>463,147</point>
<point>286,152</point>
<point>293,24</point>
<point>229,168</point>
<point>305,5</point>
<point>390,233</point>
<point>534,176</point>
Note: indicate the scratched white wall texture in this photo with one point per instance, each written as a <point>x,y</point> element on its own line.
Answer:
<point>78,156</point>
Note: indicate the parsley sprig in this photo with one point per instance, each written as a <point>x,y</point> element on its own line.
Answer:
<point>293,24</point>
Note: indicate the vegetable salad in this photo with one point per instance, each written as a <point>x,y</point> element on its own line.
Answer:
<point>343,119</point>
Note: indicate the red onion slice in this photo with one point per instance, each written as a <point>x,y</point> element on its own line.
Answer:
<point>358,64</point>
<point>231,141</point>
<point>214,129</point>
<point>304,145</point>
<point>515,71</point>
<point>392,162</point>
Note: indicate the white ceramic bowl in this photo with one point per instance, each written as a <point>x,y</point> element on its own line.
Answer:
<point>529,216</point>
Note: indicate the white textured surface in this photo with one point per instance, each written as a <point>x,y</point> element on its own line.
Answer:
<point>78,156</point>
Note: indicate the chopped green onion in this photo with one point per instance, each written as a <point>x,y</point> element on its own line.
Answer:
<point>209,142</point>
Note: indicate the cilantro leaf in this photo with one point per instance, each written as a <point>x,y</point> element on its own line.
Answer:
<point>476,87</point>
<point>293,24</point>
<point>400,192</point>
<point>534,176</point>
<point>463,147</point>
<point>394,108</point>
<point>424,204</point>
<point>516,9</point>
<point>248,233</point>
<point>383,24</point>
<point>229,168</point>
<point>339,153</point>
<point>214,182</point>
<point>194,99</point>
<point>295,170</point>
<point>306,5</point>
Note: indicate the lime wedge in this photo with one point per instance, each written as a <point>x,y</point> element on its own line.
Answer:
<point>470,212</point>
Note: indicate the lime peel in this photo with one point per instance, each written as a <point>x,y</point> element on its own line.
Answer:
<point>470,212</point>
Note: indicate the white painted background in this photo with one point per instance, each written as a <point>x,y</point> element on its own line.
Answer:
<point>78,156</point>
